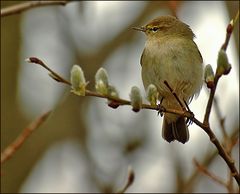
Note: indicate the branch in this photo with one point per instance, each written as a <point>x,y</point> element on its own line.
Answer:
<point>228,142</point>
<point>189,183</point>
<point>205,126</point>
<point>14,146</point>
<point>229,31</point>
<point>205,171</point>
<point>174,94</point>
<point>129,180</point>
<point>220,119</point>
<point>173,6</point>
<point>52,73</point>
<point>184,113</point>
<point>222,152</point>
<point>117,101</point>
<point>207,161</point>
<point>216,78</point>
<point>15,9</point>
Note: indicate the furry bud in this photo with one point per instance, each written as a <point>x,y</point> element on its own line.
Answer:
<point>136,99</point>
<point>209,76</point>
<point>152,94</point>
<point>78,81</point>
<point>101,81</point>
<point>223,66</point>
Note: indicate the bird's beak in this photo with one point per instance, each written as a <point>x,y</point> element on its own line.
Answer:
<point>143,29</point>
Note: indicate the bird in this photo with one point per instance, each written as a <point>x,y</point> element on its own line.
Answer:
<point>171,55</point>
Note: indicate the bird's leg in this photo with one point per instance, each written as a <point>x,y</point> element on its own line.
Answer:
<point>160,107</point>
<point>161,100</point>
<point>188,121</point>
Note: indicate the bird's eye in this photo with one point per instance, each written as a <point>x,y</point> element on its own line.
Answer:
<point>155,29</point>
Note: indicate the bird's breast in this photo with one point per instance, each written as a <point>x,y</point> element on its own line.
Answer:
<point>176,61</point>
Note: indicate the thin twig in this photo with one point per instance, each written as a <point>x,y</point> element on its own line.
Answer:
<point>227,142</point>
<point>205,171</point>
<point>222,152</point>
<point>234,141</point>
<point>174,94</point>
<point>118,101</point>
<point>210,101</point>
<point>52,74</point>
<point>220,118</point>
<point>173,6</point>
<point>207,161</point>
<point>229,31</point>
<point>14,146</point>
<point>230,143</point>
<point>129,182</point>
<point>15,9</point>
<point>216,78</point>
<point>229,184</point>
<point>189,183</point>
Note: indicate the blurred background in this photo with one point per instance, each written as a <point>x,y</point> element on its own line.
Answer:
<point>85,146</point>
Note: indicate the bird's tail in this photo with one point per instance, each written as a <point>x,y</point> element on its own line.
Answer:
<point>175,129</point>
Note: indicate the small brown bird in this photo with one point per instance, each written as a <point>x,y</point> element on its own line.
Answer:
<point>171,55</point>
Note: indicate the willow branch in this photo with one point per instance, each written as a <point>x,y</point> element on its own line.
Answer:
<point>173,6</point>
<point>118,101</point>
<point>222,152</point>
<point>15,9</point>
<point>206,127</point>
<point>227,142</point>
<point>183,113</point>
<point>205,171</point>
<point>189,183</point>
<point>207,161</point>
<point>229,31</point>
<point>220,119</point>
<point>52,73</point>
<point>129,181</point>
<point>210,101</point>
<point>14,146</point>
<point>174,94</point>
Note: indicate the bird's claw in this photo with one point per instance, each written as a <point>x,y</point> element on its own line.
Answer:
<point>160,109</point>
<point>189,121</point>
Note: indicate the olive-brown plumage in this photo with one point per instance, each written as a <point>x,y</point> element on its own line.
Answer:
<point>171,54</point>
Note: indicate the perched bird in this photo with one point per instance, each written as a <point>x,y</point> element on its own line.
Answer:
<point>171,55</point>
